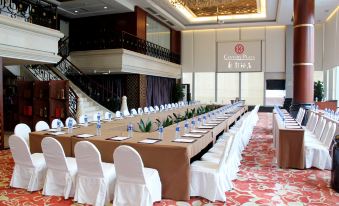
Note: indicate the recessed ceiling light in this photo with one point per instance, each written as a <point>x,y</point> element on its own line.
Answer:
<point>327,10</point>
<point>105,7</point>
<point>76,11</point>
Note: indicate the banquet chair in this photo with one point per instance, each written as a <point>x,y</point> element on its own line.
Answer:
<point>135,184</point>
<point>74,122</point>
<point>95,179</point>
<point>118,115</point>
<point>317,131</point>
<point>55,123</point>
<point>156,108</point>
<point>300,115</point>
<point>176,105</point>
<point>208,179</point>
<point>166,107</point>
<point>327,141</point>
<point>169,106</point>
<point>29,169</point>
<point>61,170</point>
<point>134,112</point>
<point>41,125</point>
<point>162,108</point>
<point>126,113</point>
<point>108,115</point>
<point>151,109</point>
<point>22,130</point>
<point>312,122</point>
<point>146,110</point>
<point>173,105</point>
<point>140,111</point>
<point>82,119</point>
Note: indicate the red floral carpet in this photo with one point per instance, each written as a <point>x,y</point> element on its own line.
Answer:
<point>260,181</point>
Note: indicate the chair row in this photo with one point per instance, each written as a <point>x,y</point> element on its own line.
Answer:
<point>90,181</point>
<point>213,174</point>
<point>318,138</point>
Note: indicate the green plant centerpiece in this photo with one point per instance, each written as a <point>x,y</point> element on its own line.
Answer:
<point>145,126</point>
<point>318,91</point>
<point>166,122</point>
<point>178,93</point>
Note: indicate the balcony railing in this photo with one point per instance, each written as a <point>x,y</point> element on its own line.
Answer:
<point>115,40</point>
<point>38,12</point>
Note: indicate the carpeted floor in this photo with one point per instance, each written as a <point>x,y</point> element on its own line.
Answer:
<point>260,181</point>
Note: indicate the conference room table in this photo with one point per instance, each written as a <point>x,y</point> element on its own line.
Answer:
<point>171,159</point>
<point>288,140</point>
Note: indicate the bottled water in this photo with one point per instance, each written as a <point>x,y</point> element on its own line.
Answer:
<point>110,116</point>
<point>186,127</point>
<point>58,125</point>
<point>199,122</point>
<point>130,130</point>
<point>98,116</point>
<point>177,131</point>
<point>193,123</point>
<point>161,132</point>
<point>86,120</point>
<point>204,120</point>
<point>98,128</point>
<point>70,126</point>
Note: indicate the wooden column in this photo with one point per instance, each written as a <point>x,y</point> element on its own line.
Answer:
<point>303,54</point>
<point>2,128</point>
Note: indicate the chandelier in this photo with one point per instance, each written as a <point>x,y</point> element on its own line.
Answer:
<point>200,3</point>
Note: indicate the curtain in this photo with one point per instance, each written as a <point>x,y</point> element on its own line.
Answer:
<point>159,90</point>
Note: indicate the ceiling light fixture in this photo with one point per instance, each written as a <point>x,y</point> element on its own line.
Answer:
<point>105,7</point>
<point>76,11</point>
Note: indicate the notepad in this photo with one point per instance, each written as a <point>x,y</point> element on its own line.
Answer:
<point>72,127</point>
<point>149,141</point>
<point>183,140</point>
<point>192,135</point>
<point>52,130</point>
<point>57,133</point>
<point>84,135</point>
<point>210,124</point>
<point>118,138</point>
<point>293,127</point>
<point>222,117</point>
<point>198,131</point>
<point>213,122</point>
<point>205,127</point>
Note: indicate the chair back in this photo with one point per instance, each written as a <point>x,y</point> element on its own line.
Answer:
<point>82,119</point>
<point>140,111</point>
<point>314,123</point>
<point>118,114</point>
<point>128,165</point>
<point>74,122</point>
<point>88,159</point>
<point>329,138</point>
<point>176,105</point>
<point>126,113</point>
<point>173,105</point>
<point>55,123</point>
<point>320,128</point>
<point>156,108</point>
<point>146,110</point>
<point>225,153</point>
<point>327,128</point>
<point>134,112</point>
<point>20,151</point>
<point>108,115</point>
<point>41,125</point>
<point>151,109</point>
<point>162,108</point>
<point>169,106</point>
<point>54,154</point>
<point>310,121</point>
<point>22,130</point>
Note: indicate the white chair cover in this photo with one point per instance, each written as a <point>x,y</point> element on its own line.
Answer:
<point>82,119</point>
<point>41,125</point>
<point>330,135</point>
<point>126,113</point>
<point>146,110</point>
<point>61,171</point>
<point>140,111</point>
<point>29,170</point>
<point>118,115</point>
<point>74,122</point>
<point>22,130</point>
<point>173,105</point>
<point>162,108</point>
<point>95,179</point>
<point>151,109</point>
<point>156,108</point>
<point>108,115</point>
<point>135,184</point>
<point>54,124</point>
<point>134,112</point>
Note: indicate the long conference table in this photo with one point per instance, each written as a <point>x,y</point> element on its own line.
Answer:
<point>171,159</point>
<point>288,140</point>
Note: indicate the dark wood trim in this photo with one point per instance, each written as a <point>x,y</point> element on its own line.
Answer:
<point>141,20</point>
<point>175,41</point>
<point>2,128</point>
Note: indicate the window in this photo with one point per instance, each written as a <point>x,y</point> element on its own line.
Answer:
<point>228,87</point>
<point>252,88</point>
<point>204,86</point>
<point>158,33</point>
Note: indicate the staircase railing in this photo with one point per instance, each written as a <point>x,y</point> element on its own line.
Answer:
<point>44,73</point>
<point>115,39</point>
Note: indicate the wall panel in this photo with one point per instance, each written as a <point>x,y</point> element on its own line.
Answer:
<point>231,34</point>
<point>275,49</point>
<point>204,48</point>
<point>187,51</point>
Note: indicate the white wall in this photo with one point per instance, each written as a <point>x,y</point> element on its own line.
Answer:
<point>199,47</point>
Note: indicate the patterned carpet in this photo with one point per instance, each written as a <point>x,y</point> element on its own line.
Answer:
<point>260,181</point>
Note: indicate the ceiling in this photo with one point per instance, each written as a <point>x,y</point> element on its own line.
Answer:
<point>276,12</point>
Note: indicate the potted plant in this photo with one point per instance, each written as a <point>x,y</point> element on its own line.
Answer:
<point>318,91</point>
<point>178,93</point>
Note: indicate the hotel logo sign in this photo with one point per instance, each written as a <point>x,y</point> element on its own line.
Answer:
<point>239,56</point>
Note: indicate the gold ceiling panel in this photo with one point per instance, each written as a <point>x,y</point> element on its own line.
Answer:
<point>206,8</point>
